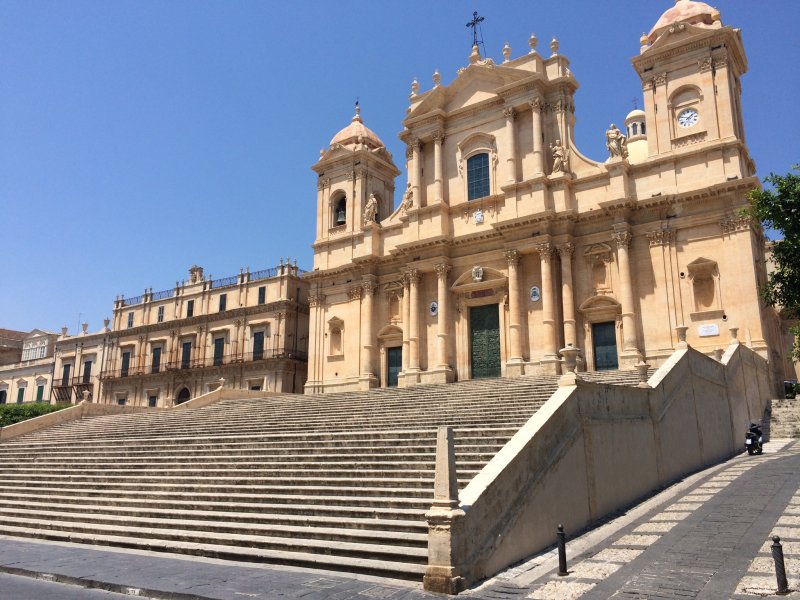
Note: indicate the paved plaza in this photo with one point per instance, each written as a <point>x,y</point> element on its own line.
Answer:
<point>707,536</point>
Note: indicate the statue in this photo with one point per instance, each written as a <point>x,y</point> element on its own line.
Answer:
<point>408,198</point>
<point>560,157</point>
<point>616,142</point>
<point>371,210</point>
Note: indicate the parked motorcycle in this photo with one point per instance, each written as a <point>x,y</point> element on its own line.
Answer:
<point>754,440</point>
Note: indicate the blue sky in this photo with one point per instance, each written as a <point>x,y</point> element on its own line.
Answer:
<point>140,137</point>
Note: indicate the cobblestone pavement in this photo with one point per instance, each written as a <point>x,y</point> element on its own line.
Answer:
<point>707,537</point>
<point>710,540</point>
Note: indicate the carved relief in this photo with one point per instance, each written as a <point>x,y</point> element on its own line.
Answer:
<point>477,274</point>
<point>536,104</point>
<point>509,113</point>
<point>689,140</point>
<point>704,64</point>
<point>354,293</point>
<point>598,256</point>
<point>660,79</point>
<point>369,286</point>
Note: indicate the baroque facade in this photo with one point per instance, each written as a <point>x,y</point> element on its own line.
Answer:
<point>250,330</point>
<point>509,244</point>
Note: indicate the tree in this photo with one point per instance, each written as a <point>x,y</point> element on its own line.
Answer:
<point>779,208</point>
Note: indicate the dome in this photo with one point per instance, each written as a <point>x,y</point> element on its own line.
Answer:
<point>636,113</point>
<point>695,13</point>
<point>356,133</point>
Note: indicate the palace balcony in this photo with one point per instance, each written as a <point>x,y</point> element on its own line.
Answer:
<point>62,390</point>
<point>147,368</point>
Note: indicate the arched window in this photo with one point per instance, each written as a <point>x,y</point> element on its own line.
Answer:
<point>340,211</point>
<point>643,131</point>
<point>635,129</point>
<point>477,176</point>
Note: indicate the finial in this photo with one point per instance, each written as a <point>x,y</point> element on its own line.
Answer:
<point>321,152</point>
<point>554,45</point>
<point>437,78</point>
<point>357,116</point>
<point>475,55</point>
<point>280,261</point>
<point>414,87</point>
<point>506,53</point>
<point>643,39</point>
<point>532,41</point>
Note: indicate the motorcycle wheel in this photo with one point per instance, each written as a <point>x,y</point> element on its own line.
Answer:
<point>759,451</point>
<point>750,451</point>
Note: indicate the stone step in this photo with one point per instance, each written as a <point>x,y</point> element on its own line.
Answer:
<point>326,532</point>
<point>324,496</point>
<point>399,569</point>
<point>256,505</point>
<point>170,513</point>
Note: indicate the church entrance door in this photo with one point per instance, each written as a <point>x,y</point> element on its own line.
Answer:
<point>484,334</point>
<point>183,396</point>
<point>604,342</point>
<point>394,363</point>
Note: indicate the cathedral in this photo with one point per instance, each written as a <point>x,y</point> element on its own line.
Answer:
<point>508,245</point>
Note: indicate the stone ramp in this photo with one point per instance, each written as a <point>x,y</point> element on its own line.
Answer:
<point>337,481</point>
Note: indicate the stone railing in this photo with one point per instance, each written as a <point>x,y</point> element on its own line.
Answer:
<point>592,449</point>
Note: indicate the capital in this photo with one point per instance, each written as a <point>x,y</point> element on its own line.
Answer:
<point>413,276</point>
<point>536,104</point>
<point>354,293</point>
<point>442,269</point>
<point>369,285</point>
<point>438,136</point>
<point>566,250</point>
<point>621,238</point>
<point>508,113</point>
<point>545,251</point>
<point>316,300</point>
<point>512,256</point>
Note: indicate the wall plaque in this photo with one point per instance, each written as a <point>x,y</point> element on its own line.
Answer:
<point>535,294</point>
<point>708,330</point>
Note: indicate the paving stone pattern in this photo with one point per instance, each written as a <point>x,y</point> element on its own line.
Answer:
<point>698,546</point>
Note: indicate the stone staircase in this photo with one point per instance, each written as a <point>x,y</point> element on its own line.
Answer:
<point>782,419</point>
<point>337,481</point>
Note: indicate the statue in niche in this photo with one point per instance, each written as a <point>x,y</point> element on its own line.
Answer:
<point>408,198</point>
<point>560,157</point>
<point>371,210</point>
<point>616,142</point>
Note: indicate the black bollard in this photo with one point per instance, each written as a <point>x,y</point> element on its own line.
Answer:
<point>562,551</point>
<point>780,568</point>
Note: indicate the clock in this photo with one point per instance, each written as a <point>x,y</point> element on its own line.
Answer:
<point>688,117</point>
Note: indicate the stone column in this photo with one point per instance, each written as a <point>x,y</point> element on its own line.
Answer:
<point>199,347</point>
<point>622,237</point>
<point>567,303</point>
<point>368,379</point>
<point>413,359</point>
<point>538,155</point>
<point>548,314</point>
<point>444,374</point>
<point>514,367</point>
<point>406,323</point>
<point>415,171</point>
<point>438,183</point>
<point>511,161</point>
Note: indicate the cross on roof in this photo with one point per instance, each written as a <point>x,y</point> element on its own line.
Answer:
<point>476,20</point>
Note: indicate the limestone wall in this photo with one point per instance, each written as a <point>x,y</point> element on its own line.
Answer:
<point>593,449</point>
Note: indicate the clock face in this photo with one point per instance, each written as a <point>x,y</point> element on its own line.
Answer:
<point>688,117</point>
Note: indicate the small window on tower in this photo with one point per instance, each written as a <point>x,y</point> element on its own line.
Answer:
<point>160,314</point>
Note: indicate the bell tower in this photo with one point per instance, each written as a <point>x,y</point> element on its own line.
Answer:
<point>355,190</point>
<point>690,66</point>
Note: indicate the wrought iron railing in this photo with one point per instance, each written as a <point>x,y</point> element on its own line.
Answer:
<point>133,301</point>
<point>224,282</point>
<point>162,295</point>
<point>134,369</point>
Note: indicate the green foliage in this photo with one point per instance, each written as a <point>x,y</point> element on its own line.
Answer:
<point>779,208</point>
<point>14,413</point>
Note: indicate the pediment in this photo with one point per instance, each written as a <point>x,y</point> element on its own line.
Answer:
<point>677,33</point>
<point>599,302</point>
<point>478,278</point>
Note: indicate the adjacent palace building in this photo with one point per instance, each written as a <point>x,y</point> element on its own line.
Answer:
<point>508,243</point>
